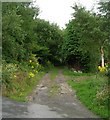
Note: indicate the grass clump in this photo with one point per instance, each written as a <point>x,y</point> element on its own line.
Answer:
<point>54,89</point>
<point>54,73</point>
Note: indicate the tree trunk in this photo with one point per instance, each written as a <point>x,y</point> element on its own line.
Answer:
<point>102,56</point>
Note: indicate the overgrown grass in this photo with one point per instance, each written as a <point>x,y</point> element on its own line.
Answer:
<point>72,73</point>
<point>26,88</point>
<point>54,73</point>
<point>91,90</point>
<point>54,89</point>
<point>19,80</point>
<point>22,88</point>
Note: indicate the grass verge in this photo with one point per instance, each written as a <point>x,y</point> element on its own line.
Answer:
<point>22,89</point>
<point>91,91</point>
<point>19,80</point>
<point>26,88</point>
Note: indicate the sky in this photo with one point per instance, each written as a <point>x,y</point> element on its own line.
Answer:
<point>59,11</point>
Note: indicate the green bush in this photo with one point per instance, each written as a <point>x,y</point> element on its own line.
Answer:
<point>18,80</point>
<point>8,74</point>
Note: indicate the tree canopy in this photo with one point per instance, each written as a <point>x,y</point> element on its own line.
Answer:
<point>78,45</point>
<point>84,37</point>
<point>24,34</point>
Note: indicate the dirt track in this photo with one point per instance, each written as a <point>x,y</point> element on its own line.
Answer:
<point>51,99</point>
<point>60,97</point>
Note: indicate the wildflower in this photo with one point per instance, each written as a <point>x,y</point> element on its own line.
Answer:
<point>75,71</point>
<point>79,71</point>
<point>15,76</point>
<point>102,69</point>
<point>30,61</point>
<point>99,67</point>
<point>31,74</point>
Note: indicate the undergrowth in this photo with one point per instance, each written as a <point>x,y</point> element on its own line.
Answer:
<point>19,79</point>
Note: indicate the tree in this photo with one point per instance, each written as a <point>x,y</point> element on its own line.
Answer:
<point>84,37</point>
<point>104,12</point>
<point>49,39</point>
<point>13,36</point>
<point>18,35</point>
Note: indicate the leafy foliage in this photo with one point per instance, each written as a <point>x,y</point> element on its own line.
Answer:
<point>29,43</point>
<point>24,34</point>
<point>50,38</point>
<point>83,38</point>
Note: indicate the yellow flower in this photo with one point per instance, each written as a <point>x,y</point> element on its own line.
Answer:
<point>15,76</point>
<point>99,67</point>
<point>31,74</point>
<point>30,61</point>
<point>102,69</point>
